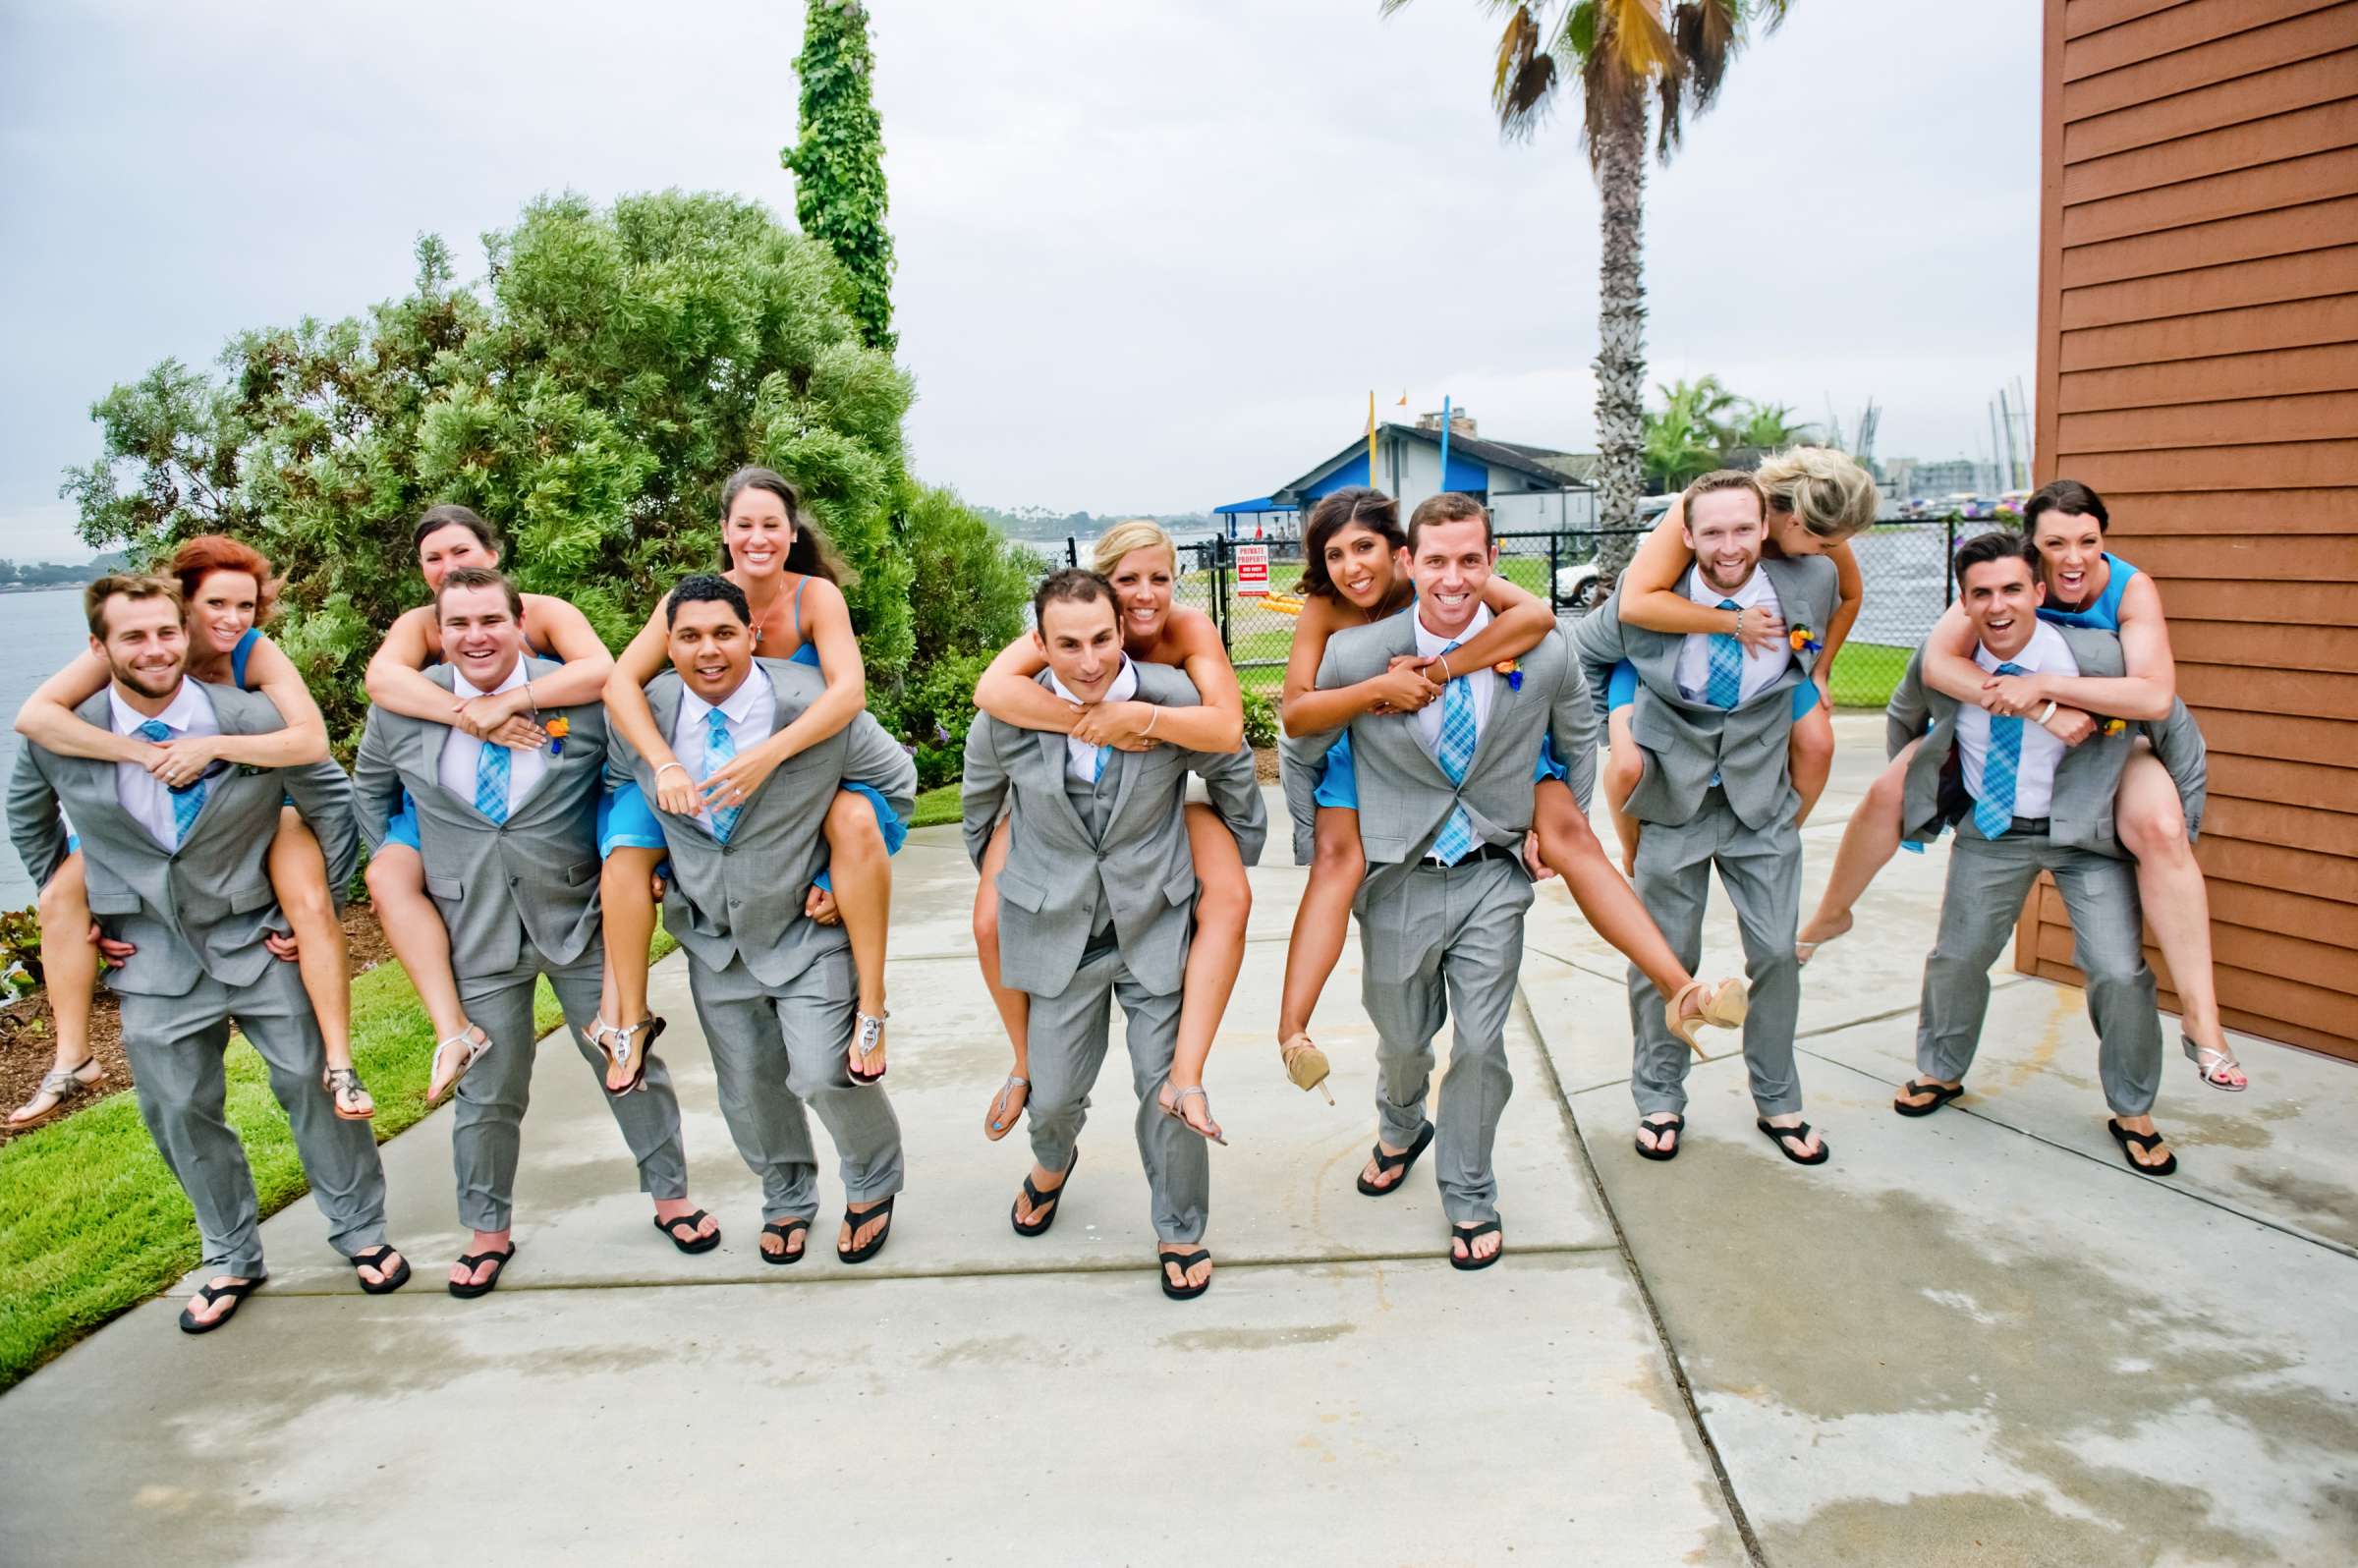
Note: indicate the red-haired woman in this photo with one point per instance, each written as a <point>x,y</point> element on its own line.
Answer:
<point>229,592</point>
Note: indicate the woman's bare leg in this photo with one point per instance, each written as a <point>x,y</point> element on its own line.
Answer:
<point>1623,768</point>
<point>862,875</point>
<point>1810,756</point>
<point>1015,1007</point>
<point>299,876</point>
<point>1570,848</point>
<point>1224,903</point>
<point>69,973</point>
<point>414,929</point>
<point>1337,866</point>
<point>2177,904</point>
<point>1868,841</point>
<point>626,890</point>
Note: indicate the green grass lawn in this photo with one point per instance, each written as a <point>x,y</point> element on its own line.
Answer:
<point>936,807</point>
<point>90,1221</point>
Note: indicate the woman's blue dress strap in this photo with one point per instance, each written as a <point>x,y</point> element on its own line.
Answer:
<point>2104,614</point>
<point>805,651</point>
<point>240,654</point>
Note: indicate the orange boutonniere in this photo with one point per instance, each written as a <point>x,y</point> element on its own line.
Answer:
<point>2113,726</point>
<point>1513,669</point>
<point>556,730</point>
<point>1803,640</point>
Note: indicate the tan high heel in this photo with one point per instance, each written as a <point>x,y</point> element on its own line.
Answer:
<point>1724,1008</point>
<point>1305,1065</point>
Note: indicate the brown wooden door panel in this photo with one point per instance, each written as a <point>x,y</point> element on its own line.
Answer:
<point>2317,274</point>
<point>2272,909</point>
<point>2318,742</point>
<point>2330,649</point>
<point>2199,202</point>
<point>2294,694</point>
<point>2222,378</point>
<point>2213,334</point>
<point>2292,463</point>
<point>2307,417</point>
<point>2180,27</point>
<point>2288,230</point>
<point>2266,778</point>
<point>2222,59</point>
<point>2320,964</point>
<point>2082,16</point>
<point>2266,1025</point>
<point>2302,83</point>
<point>2286,603</point>
<point>2283,824</point>
<point>2246,557</point>
<point>2270,865</point>
<point>2138,514</point>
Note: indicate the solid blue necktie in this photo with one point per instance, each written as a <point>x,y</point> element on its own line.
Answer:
<point>492,767</point>
<point>719,748</point>
<point>1456,755</point>
<point>1993,809</point>
<point>188,799</point>
<point>1723,686</point>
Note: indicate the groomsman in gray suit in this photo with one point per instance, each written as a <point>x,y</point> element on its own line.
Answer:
<point>180,876</point>
<point>1097,904</point>
<point>1444,805</point>
<point>509,838</point>
<point>1713,718</point>
<point>774,988</point>
<point>2030,795</point>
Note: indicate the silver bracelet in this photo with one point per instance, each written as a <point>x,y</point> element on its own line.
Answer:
<point>2050,711</point>
<point>1151,718</point>
<point>682,767</point>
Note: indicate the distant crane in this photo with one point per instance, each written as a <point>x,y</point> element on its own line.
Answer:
<point>1861,444</point>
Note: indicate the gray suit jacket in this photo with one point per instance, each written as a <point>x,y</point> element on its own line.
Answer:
<point>202,909</point>
<point>1685,740</point>
<point>1059,879</point>
<point>1404,797</point>
<point>497,884</point>
<point>2086,779</point>
<point>744,899</point>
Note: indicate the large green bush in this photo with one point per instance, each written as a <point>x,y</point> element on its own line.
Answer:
<point>589,395</point>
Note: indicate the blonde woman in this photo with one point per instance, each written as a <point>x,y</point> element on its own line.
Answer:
<point>1141,563</point>
<point>1817,498</point>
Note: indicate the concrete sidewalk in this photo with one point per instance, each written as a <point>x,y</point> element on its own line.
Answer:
<point>1977,1338</point>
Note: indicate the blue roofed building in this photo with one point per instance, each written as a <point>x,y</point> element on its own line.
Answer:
<point>1526,488</point>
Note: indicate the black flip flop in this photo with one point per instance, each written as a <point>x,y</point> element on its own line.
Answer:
<point>1941,1098</point>
<point>1403,1163</point>
<point>1676,1124</point>
<point>1800,1131</point>
<point>784,1230</point>
<point>694,1243</point>
<point>1183,1261</point>
<point>1034,1197</point>
<point>210,1294</point>
<point>1468,1234</point>
<point>2148,1142</point>
<point>374,1257</point>
<point>472,1262</point>
<point>875,1243</point>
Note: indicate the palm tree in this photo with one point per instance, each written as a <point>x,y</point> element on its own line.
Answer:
<point>1770,427</point>
<point>1630,60</point>
<point>1688,438</point>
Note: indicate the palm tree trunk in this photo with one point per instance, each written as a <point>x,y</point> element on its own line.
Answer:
<point>1622,335</point>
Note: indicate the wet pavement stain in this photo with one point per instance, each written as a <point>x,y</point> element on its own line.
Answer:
<point>2328,1208</point>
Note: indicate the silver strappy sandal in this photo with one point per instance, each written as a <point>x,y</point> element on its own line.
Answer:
<point>1170,1108</point>
<point>63,1084</point>
<point>994,1128</point>
<point>869,1040</point>
<point>2208,1061</point>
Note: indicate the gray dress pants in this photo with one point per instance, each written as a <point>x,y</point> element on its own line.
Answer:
<point>175,1045</point>
<point>1444,943</point>
<point>1987,881</point>
<point>489,1134</point>
<point>777,1049</point>
<point>1760,868</point>
<point>1066,1043</point>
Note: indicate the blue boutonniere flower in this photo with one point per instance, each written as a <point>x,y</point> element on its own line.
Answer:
<point>1513,669</point>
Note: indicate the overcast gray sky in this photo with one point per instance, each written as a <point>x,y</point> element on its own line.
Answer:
<point>1153,254</point>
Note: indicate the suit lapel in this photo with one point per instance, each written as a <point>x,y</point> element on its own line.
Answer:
<point>1052,755</point>
<point>1502,703</point>
<point>96,779</point>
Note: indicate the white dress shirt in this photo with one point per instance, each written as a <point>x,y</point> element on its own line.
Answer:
<point>752,714</point>
<point>1694,656</point>
<point>143,793</point>
<point>2047,653</point>
<point>1481,684</point>
<point>462,753</point>
<point>1081,758</point>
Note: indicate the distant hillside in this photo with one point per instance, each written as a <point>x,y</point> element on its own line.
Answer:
<point>49,573</point>
<point>1037,525</point>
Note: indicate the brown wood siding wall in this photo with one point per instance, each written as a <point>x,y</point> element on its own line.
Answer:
<point>2198,365</point>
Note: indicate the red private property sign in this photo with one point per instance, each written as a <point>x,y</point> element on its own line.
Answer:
<point>1253,569</point>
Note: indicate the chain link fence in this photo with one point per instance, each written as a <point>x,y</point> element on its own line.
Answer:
<point>1905,565</point>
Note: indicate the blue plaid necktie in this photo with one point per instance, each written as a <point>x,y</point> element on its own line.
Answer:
<point>1456,755</point>
<point>1723,686</point>
<point>188,799</point>
<point>1098,773</point>
<point>492,769</point>
<point>718,750</point>
<point>1993,809</point>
